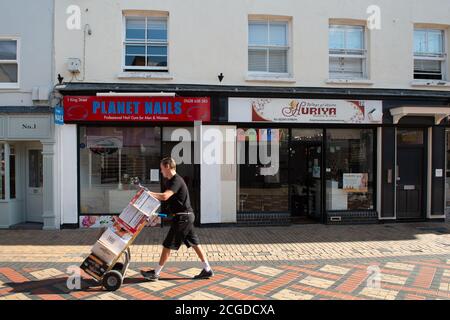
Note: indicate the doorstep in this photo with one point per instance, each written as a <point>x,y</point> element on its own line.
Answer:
<point>27,226</point>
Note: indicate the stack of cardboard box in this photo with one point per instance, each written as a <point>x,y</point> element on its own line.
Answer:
<point>116,239</point>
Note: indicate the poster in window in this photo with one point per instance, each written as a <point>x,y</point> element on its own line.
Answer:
<point>355,182</point>
<point>114,142</point>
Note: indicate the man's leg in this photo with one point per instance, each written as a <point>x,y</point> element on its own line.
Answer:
<point>171,241</point>
<point>164,257</point>
<point>207,271</point>
<point>199,251</point>
<point>154,274</point>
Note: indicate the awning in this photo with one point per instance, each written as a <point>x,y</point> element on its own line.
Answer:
<point>439,113</point>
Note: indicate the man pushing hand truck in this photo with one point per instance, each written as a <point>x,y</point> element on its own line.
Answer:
<point>176,195</point>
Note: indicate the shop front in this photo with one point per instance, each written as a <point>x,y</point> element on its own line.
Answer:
<point>326,159</point>
<point>333,158</point>
<point>120,138</point>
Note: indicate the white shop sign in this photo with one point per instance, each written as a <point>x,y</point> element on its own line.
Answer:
<point>29,127</point>
<point>305,111</point>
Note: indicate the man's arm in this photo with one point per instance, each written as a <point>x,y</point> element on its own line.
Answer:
<point>162,196</point>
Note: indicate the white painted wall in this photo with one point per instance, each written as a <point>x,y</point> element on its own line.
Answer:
<point>218,182</point>
<point>68,173</point>
<point>32,22</point>
<point>207,37</point>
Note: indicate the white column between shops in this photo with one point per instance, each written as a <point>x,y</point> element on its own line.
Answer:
<point>69,174</point>
<point>49,216</point>
<point>217,180</point>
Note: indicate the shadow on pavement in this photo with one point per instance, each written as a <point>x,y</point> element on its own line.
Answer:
<point>59,285</point>
<point>239,235</point>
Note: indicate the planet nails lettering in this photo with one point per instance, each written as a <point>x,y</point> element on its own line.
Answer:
<point>132,107</point>
<point>163,108</point>
<point>115,107</point>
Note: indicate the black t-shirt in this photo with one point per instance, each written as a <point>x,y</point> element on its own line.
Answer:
<point>179,201</point>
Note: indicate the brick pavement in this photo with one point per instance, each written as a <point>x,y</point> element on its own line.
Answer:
<point>296,262</point>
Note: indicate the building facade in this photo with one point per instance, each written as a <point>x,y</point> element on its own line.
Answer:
<point>357,108</point>
<point>28,182</point>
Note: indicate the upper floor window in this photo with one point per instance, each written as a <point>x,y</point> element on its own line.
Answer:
<point>429,54</point>
<point>146,43</point>
<point>347,49</point>
<point>9,63</point>
<point>268,46</point>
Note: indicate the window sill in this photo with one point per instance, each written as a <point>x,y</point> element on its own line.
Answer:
<point>430,83</point>
<point>6,86</point>
<point>145,75</point>
<point>349,81</point>
<point>269,78</point>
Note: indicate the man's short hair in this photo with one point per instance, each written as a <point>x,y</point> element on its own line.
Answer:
<point>168,161</point>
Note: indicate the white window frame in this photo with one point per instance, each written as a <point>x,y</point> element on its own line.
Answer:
<point>12,85</point>
<point>363,55</point>
<point>145,43</point>
<point>433,57</point>
<point>268,20</point>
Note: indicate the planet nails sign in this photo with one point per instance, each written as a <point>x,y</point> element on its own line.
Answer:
<point>305,111</point>
<point>138,109</point>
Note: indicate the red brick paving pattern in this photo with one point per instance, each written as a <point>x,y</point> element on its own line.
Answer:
<point>349,286</point>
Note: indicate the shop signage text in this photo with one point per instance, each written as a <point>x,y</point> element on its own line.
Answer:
<point>92,108</point>
<point>21,127</point>
<point>59,115</point>
<point>304,110</point>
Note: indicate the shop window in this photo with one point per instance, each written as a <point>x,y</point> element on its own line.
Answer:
<point>350,169</point>
<point>9,63</point>
<point>146,43</point>
<point>35,169</point>
<point>259,188</point>
<point>268,46</point>
<point>347,52</point>
<point>408,136</point>
<point>109,159</point>
<point>429,54</point>
<point>2,171</point>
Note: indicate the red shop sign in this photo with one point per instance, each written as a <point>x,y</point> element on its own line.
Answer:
<point>139,109</point>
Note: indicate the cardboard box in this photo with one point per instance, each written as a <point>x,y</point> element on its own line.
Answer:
<point>94,266</point>
<point>145,202</point>
<point>114,241</point>
<point>132,218</point>
<point>105,253</point>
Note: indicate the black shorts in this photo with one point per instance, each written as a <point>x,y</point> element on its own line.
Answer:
<point>181,230</point>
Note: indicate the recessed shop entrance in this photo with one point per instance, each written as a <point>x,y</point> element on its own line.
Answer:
<point>305,163</point>
<point>411,173</point>
<point>187,168</point>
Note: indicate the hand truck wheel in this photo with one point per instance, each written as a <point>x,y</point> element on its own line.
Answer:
<point>112,280</point>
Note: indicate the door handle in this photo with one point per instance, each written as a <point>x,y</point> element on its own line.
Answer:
<point>389,176</point>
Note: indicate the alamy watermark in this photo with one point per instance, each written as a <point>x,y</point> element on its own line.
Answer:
<point>374,277</point>
<point>217,146</point>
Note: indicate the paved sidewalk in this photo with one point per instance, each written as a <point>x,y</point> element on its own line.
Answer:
<point>386,261</point>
